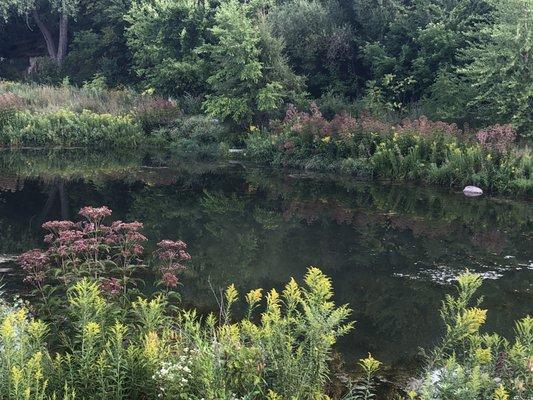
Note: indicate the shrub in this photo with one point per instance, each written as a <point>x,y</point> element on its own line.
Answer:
<point>9,105</point>
<point>469,364</point>
<point>67,128</point>
<point>196,136</point>
<point>154,113</point>
<point>418,150</point>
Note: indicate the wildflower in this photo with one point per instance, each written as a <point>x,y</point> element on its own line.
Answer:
<point>483,356</point>
<point>111,286</point>
<point>500,393</point>
<point>57,226</point>
<point>95,213</point>
<point>170,280</point>
<point>254,296</point>
<point>470,321</point>
<point>498,137</point>
<point>91,329</point>
<point>370,365</point>
<point>35,263</point>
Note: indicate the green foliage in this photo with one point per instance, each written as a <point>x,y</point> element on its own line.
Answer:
<point>199,137</point>
<point>66,128</point>
<point>284,349</point>
<point>249,72</point>
<point>498,66</point>
<point>418,150</point>
<point>472,365</point>
<point>164,37</point>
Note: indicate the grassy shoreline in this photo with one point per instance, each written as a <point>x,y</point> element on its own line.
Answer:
<point>419,150</point>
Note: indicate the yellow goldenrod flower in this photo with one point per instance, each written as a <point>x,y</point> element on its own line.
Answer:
<point>500,393</point>
<point>151,345</point>
<point>91,329</point>
<point>370,365</point>
<point>483,356</point>
<point>231,294</point>
<point>471,320</point>
<point>254,296</point>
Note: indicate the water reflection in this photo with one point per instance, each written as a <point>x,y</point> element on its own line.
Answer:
<point>390,249</point>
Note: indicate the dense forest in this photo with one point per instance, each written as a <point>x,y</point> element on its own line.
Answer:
<point>462,61</point>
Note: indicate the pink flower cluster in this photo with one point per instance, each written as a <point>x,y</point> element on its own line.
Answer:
<point>426,127</point>
<point>111,286</point>
<point>342,124</point>
<point>95,213</point>
<point>91,248</point>
<point>315,124</point>
<point>497,137</point>
<point>35,264</point>
<point>172,255</point>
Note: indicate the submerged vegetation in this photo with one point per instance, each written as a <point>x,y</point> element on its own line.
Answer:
<point>116,343</point>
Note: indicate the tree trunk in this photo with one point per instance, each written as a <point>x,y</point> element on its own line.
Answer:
<point>63,39</point>
<point>47,36</point>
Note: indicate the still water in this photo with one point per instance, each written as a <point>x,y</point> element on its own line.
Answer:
<point>391,250</point>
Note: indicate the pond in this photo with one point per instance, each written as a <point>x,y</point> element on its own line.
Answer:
<point>391,250</point>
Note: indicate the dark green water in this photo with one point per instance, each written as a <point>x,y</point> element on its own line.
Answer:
<point>391,250</point>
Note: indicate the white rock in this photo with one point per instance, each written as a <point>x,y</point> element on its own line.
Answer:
<point>472,191</point>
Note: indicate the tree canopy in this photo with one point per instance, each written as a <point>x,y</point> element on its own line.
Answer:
<point>464,61</point>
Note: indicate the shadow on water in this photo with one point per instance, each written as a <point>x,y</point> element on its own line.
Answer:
<point>391,250</point>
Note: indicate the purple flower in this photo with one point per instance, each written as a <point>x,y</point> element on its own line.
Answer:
<point>57,226</point>
<point>111,286</point>
<point>35,263</point>
<point>170,280</point>
<point>172,245</point>
<point>95,213</point>
<point>498,137</point>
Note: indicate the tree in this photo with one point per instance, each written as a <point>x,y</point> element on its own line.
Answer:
<point>98,44</point>
<point>164,37</point>
<point>64,10</point>
<point>320,43</point>
<point>249,74</point>
<point>499,66</point>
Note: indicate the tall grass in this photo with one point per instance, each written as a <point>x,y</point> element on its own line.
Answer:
<point>41,115</point>
<point>45,98</point>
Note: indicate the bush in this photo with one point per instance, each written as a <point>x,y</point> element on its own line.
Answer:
<point>196,136</point>
<point>9,105</point>
<point>155,113</point>
<point>469,364</point>
<point>67,128</point>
